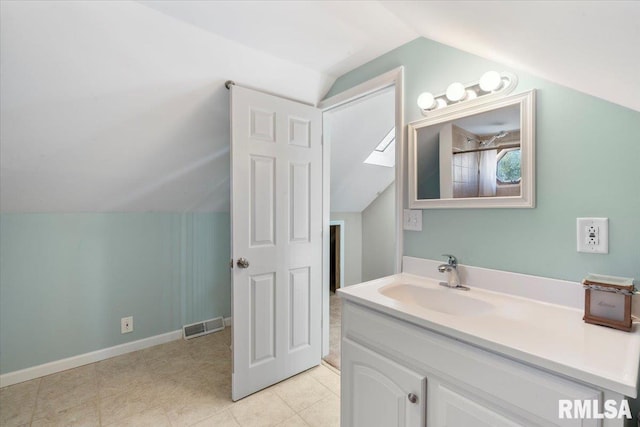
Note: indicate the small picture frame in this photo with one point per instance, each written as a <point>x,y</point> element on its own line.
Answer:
<point>607,301</point>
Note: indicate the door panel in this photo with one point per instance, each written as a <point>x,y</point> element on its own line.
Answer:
<point>263,201</point>
<point>276,208</point>
<point>299,190</point>
<point>263,327</point>
<point>300,293</point>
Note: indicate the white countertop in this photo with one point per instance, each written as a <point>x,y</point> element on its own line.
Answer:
<point>549,336</point>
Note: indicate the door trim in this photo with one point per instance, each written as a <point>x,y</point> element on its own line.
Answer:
<point>391,78</point>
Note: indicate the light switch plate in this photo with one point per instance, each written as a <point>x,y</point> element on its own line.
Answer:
<point>412,220</point>
<point>593,235</point>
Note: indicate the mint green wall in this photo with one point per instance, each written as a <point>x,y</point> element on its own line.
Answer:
<point>588,163</point>
<point>378,229</point>
<point>67,279</point>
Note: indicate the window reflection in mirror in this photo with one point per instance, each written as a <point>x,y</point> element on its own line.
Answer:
<point>481,156</point>
<point>474,156</point>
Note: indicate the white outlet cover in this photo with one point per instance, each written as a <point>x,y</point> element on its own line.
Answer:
<point>412,220</point>
<point>593,235</point>
<point>126,325</point>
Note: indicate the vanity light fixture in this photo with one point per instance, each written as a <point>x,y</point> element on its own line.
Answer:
<point>491,85</point>
<point>456,92</point>
<point>426,101</point>
<point>490,81</point>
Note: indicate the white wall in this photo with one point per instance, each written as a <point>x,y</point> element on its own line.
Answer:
<point>116,107</point>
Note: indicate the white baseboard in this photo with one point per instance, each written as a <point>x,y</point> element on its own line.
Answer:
<point>228,321</point>
<point>84,359</point>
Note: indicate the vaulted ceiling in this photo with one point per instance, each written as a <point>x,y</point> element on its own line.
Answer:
<point>120,106</point>
<point>355,130</point>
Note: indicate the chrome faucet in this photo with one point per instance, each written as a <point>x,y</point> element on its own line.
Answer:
<point>451,267</point>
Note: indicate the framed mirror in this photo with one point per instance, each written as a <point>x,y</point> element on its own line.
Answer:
<point>479,157</point>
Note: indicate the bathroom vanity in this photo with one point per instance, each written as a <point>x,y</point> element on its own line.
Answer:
<point>415,353</point>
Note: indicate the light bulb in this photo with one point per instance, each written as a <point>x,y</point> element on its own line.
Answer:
<point>456,92</point>
<point>490,81</point>
<point>471,94</point>
<point>426,101</point>
<point>440,103</point>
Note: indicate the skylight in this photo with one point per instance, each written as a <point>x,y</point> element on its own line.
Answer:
<point>385,152</point>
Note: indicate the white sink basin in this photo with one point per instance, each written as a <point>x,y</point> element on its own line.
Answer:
<point>445,300</point>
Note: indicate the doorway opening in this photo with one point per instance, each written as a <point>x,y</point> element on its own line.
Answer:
<point>336,255</point>
<point>335,267</point>
<point>336,280</point>
<point>362,199</point>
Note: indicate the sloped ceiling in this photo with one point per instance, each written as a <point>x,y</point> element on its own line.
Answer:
<point>355,131</point>
<point>120,106</point>
<point>113,106</point>
<point>589,46</point>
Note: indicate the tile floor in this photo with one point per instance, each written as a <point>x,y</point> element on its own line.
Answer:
<point>335,320</point>
<point>181,383</point>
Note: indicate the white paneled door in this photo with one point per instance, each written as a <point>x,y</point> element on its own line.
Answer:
<point>276,210</point>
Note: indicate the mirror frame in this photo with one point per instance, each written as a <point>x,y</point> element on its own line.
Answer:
<point>526,199</point>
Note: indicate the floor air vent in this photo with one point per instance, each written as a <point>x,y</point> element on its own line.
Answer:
<point>202,328</point>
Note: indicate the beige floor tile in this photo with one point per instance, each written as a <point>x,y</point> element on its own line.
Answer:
<point>171,365</point>
<point>66,390</point>
<point>218,341</point>
<point>118,374</point>
<point>154,417</point>
<point>294,421</point>
<point>192,398</point>
<point>121,382</point>
<point>17,403</point>
<point>82,374</point>
<point>185,388</point>
<point>85,415</point>
<point>169,350</point>
<point>264,408</point>
<point>301,391</point>
<point>138,398</point>
<point>217,376</point>
<point>335,320</point>
<point>222,419</point>
<point>119,363</point>
<point>325,413</point>
<point>218,368</point>
<point>180,384</point>
<point>187,413</point>
<point>60,398</point>
<point>327,377</point>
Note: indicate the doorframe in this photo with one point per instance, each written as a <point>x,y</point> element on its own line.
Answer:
<point>393,78</point>
<point>341,224</point>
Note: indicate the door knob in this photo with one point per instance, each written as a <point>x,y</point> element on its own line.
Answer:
<point>242,263</point>
<point>412,398</point>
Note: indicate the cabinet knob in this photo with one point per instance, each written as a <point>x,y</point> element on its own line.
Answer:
<point>412,398</point>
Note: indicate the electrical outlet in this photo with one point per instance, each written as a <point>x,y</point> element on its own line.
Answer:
<point>126,325</point>
<point>412,220</point>
<point>593,235</point>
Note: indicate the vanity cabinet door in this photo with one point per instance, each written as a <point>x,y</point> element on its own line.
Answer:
<point>450,408</point>
<point>379,392</point>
